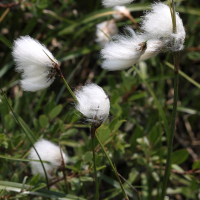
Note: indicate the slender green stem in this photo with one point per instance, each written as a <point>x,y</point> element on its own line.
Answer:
<point>47,181</point>
<point>69,89</point>
<point>173,119</point>
<point>173,123</point>
<point>116,173</point>
<point>95,171</point>
<point>156,101</point>
<point>138,195</point>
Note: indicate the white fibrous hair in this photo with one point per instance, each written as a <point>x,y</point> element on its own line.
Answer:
<point>158,23</point>
<point>35,62</point>
<point>122,12</point>
<point>93,103</point>
<point>154,47</point>
<point>49,152</point>
<point>123,51</point>
<point>111,3</point>
<point>104,31</point>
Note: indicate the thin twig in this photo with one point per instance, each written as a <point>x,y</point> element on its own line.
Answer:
<point>63,169</point>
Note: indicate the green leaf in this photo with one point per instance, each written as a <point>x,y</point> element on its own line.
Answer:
<point>69,133</point>
<point>9,122</point>
<point>137,96</point>
<point>103,133</point>
<point>75,183</point>
<point>38,186</point>
<point>71,143</point>
<point>78,164</point>
<point>86,178</point>
<point>42,4</point>
<point>35,179</point>
<point>154,135</point>
<point>117,125</point>
<point>179,156</point>
<point>55,112</point>
<point>72,168</point>
<point>6,68</point>
<point>43,120</point>
<point>193,55</point>
<point>116,110</point>
<point>196,165</point>
<point>87,157</point>
<point>5,41</point>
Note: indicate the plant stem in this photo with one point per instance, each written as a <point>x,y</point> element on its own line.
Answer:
<point>173,123</point>
<point>133,20</point>
<point>173,119</point>
<point>116,173</point>
<point>69,89</point>
<point>95,171</point>
<point>63,170</point>
<point>65,82</point>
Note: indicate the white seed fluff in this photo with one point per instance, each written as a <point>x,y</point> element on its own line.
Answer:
<point>104,31</point>
<point>154,47</point>
<point>93,103</point>
<point>49,152</point>
<point>35,66</point>
<point>123,51</point>
<point>111,3</point>
<point>122,12</point>
<point>158,23</point>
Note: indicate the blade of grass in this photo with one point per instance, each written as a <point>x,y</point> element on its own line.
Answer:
<point>116,174</point>
<point>16,187</point>
<point>27,135</point>
<point>184,75</point>
<point>20,159</point>
<point>162,114</point>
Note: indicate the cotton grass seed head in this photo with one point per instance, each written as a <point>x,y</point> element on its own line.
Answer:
<point>158,23</point>
<point>104,31</point>
<point>123,51</point>
<point>93,103</point>
<point>111,3</point>
<point>122,12</point>
<point>35,62</point>
<point>49,152</point>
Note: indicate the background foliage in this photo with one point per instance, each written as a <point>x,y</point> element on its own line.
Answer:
<point>134,134</point>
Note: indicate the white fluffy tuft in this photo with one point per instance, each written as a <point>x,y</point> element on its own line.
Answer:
<point>49,152</point>
<point>122,12</point>
<point>30,58</point>
<point>123,51</point>
<point>111,3</point>
<point>158,23</point>
<point>104,31</point>
<point>154,47</point>
<point>93,103</point>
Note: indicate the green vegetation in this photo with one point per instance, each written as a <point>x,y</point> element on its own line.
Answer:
<point>134,136</point>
